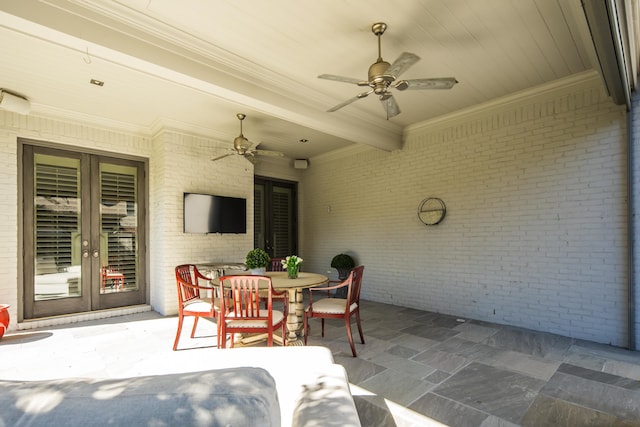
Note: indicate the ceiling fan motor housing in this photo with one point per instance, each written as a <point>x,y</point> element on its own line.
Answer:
<point>379,80</point>
<point>240,143</point>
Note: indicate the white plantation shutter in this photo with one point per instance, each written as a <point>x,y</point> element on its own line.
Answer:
<point>119,219</point>
<point>56,215</point>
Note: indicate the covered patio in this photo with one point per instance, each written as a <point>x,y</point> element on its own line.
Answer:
<point>417,368</point>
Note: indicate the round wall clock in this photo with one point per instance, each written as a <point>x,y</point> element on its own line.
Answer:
<point>431,211</point>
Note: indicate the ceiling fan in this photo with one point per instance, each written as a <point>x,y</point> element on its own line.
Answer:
<point>243,147</point>
<point>382,77</point>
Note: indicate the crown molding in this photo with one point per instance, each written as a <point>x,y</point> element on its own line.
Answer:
<point>555,89</point>
<point>79,118</point>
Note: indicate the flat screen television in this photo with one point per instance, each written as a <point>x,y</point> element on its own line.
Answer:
<point>207,213</point>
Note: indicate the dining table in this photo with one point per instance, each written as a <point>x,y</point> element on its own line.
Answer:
<point>294,287</point>
<point>214,270</point>
<point>281,282</point>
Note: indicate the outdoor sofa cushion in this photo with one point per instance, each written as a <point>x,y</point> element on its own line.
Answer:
<point>244,396</point>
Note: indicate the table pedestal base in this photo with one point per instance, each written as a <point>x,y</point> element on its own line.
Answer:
<point>296,313</point>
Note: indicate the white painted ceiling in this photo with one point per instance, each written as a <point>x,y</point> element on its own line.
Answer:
<point>193,64</point>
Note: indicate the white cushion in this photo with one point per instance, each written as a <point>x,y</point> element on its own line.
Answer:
<point>277,317</point>
<point>332,306</point>
<point>202,305</point>
<point>240,396</point>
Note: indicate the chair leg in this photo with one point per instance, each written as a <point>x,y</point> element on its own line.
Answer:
<point>305,328</point>
<point>322,321</point>
<point>284,334</point>
<point>223,336</point>
<point>175,342</point>
<point>350,336</point>
<point>359,325</point>
<point>195,323</point>
<point>218,329</point>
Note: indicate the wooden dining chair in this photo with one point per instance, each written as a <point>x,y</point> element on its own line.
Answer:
<point>193,298</point>
<point>240,310</point>
<point>336,308</point>
<point>276,265</point>
<point>107,274</point>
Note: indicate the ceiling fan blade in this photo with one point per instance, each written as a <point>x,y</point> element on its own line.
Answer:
<point>343,79</point>
<point>402,64</point>
<point>349,101</point>
<point>390,105</point>
<point>268,153</point>
<point>222,157</point>
<point>251,159</point>
<point>343,104</point>
<point>418,84</point>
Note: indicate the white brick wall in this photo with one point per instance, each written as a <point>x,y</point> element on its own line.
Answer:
<point>535,232</point>
<point>635,155</point>
<point>182,163</point>
<point>8,221</point>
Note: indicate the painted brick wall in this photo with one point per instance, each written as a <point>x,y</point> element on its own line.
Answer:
<point>535,232</point>
<point>182,163</point>
<point>635,158</point>
<point>8,219</point>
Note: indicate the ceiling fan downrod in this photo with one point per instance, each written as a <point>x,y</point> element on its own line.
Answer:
<point>378,29</point>
<point>379,80</point>
<point>241,143</point>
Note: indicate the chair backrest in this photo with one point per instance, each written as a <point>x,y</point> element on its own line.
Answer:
<point>187,274</point>
<point>276,265</point>
<point>356,284</point>
<point>242,297</point>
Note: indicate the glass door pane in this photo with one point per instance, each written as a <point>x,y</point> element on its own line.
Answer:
<point>259,217</point>
<point>57,227</point>
<point>282,228</point>
<point>118,228</point>
<point>275,217</point>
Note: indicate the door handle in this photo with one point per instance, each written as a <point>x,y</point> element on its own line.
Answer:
<point>96,254</point>
<point>85,253</point>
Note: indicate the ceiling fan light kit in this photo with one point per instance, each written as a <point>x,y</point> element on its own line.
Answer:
<point>382,78</point>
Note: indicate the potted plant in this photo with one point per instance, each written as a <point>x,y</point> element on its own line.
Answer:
<point>343,263</point>
<point>257,261</point>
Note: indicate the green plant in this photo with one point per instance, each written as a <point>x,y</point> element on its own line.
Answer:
<point>342,261</point>
<point>291,261</point>
<point>257,258</point>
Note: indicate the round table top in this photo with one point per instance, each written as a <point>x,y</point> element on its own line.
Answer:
<point>304,280</point>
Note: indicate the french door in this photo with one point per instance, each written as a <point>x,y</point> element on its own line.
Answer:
<point>275,217</point>
<point>83,232</point>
